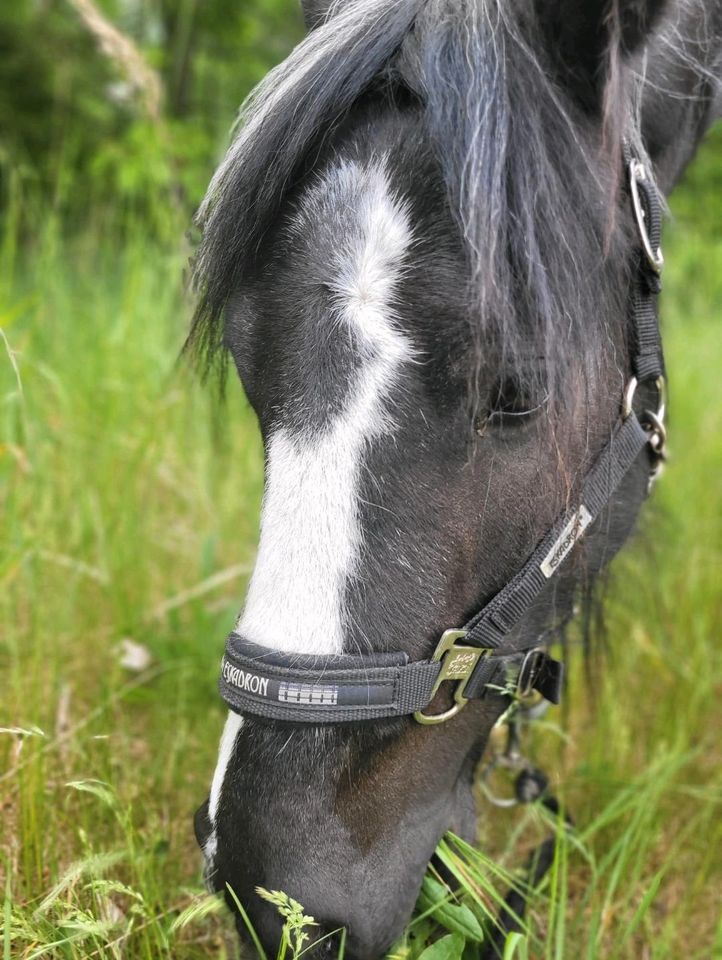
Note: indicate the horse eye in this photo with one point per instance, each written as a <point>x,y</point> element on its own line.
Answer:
<point>514,403</point>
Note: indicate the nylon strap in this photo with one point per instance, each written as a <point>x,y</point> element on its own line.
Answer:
<point>492,624</point>
<point>647,353</point>
<point>344,688</point>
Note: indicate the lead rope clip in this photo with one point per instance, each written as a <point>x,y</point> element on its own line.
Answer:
<point>530,783</point>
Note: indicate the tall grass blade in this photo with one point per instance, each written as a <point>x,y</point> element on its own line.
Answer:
<point>247,921</point>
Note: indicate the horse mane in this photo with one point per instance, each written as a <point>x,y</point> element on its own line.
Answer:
<point>530,176</point>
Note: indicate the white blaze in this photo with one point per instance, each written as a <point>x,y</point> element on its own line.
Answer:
<point>310,533</point>
<point>228,741</point>
<point>311,538</point>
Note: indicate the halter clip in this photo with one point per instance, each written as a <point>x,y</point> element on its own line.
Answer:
<point>457,663</point>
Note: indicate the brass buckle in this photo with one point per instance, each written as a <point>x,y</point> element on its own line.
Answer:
<point>458,663</point>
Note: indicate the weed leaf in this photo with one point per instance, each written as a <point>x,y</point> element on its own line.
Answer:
<point>450,947</point>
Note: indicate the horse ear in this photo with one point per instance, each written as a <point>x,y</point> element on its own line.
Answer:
<point>587,37</point>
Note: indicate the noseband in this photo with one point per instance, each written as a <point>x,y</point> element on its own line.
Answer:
<point>485,657</point>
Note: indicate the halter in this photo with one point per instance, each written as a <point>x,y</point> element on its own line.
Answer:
<point>483,658</point>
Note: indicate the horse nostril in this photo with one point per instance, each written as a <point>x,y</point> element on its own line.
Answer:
<point>326,944</point>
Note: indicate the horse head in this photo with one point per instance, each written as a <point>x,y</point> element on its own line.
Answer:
<point>418,254</point>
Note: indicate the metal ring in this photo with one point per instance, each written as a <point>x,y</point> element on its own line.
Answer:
<point>628,397</point>
<point>661,385</point>
<point>631,389</point>
<point>657,433</point>
<point>638,173</point>
<point>500,761</point>
<point>528,672</point>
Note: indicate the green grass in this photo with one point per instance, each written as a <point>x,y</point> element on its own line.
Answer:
<point>129,510</point>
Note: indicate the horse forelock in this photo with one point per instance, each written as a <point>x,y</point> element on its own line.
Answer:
<point>530,190</point>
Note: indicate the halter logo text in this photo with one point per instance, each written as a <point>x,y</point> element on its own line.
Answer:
<point>567,538</point>
<point>244,680</point>
<point>460,666</point>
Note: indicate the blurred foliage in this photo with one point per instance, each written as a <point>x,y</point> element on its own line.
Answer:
<point>699,205</point>
<point>75,136</point>
<point>73,130</point>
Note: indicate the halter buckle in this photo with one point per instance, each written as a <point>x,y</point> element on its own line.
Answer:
<point>457,663</point>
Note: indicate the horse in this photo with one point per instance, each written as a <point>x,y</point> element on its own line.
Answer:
<point>421,255</point>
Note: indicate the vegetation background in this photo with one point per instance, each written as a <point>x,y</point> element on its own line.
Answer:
<point>129,503</point>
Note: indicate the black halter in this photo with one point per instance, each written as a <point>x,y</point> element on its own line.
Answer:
<point>484,657</point>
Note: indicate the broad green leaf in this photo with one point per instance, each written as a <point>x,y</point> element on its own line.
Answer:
<point>457,918</point>
<point>448,948</point>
